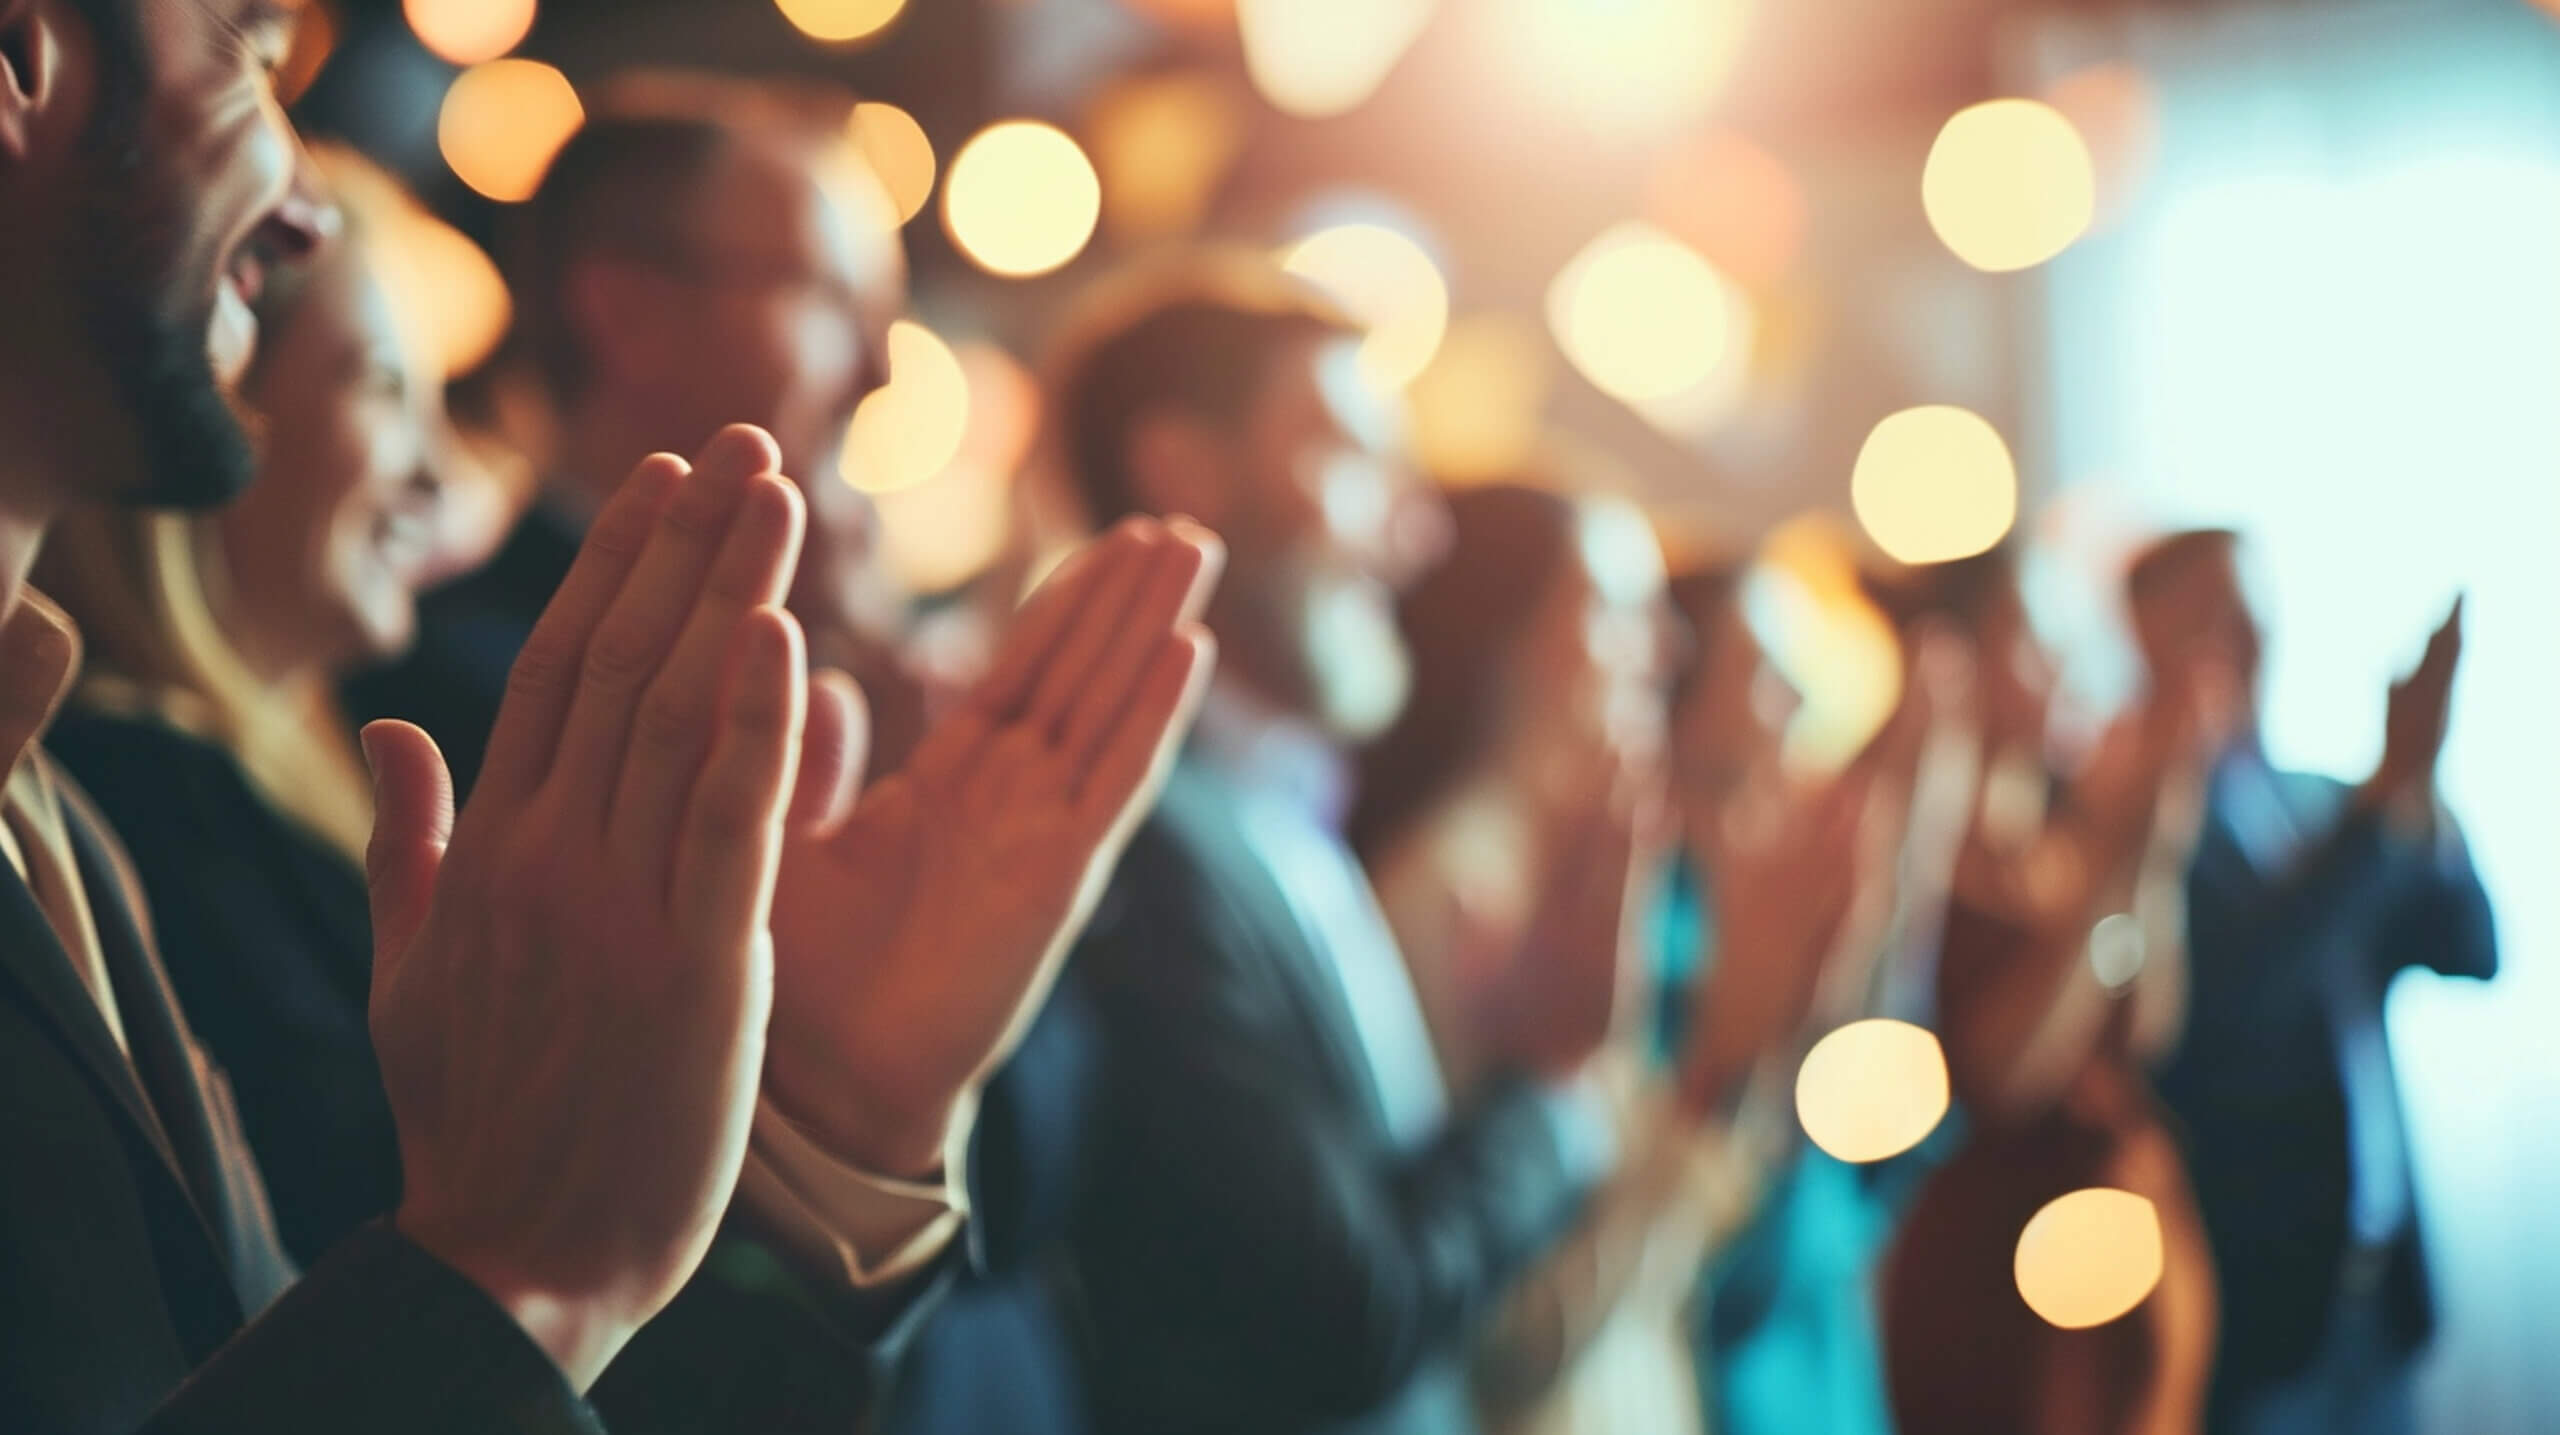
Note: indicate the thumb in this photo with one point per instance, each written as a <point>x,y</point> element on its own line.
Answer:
<point>412,821</point>
<point>835,746</point>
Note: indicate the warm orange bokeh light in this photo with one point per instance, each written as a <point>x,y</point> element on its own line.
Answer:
<point>468,32</point>
<point>2009,185</point>
<point>1162,142</point>
<point>503,122</point>
<point>2090,1257</point>
<point>1871,1090</point>
<point>910,429</point>
<point>1734,202</point>
<point>1388,283</point>
<point>899,154</point>
<point>1021,198</point>
<point>1934,484</point>
<point>1477,411</point>
<point>838,21</point>
<point>1317,58</point>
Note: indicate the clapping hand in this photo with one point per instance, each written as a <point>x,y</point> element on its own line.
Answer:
<point>570,1000</point>
<point>915,938</point>
<point>2414,725</point>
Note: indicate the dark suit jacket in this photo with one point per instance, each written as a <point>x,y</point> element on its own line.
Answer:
<point>134,1237</point>
<point>2255,1081</point>
<point>267,938</point>
<point>1255,1251</point>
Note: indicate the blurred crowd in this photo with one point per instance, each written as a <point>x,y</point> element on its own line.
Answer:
<point>1312,949</point>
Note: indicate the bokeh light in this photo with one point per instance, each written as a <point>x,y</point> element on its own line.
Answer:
<point>468,32</point>
<point>945,531</point>
<point>1732,201</point>
<point>1872,1090</point>
<point>1202,13</point>
<point>1646,317</point>
<point>1316,58</point>
<point>899,154</point>
<point>1477,411</point>
<point>2009,184</point>
<point>1934,484</point>
<point>1162,142</point>
<point>907,431</point>
<point>1625,66</point>
<point>840,21</point>
<point>454,294</point>
<point>2089,1257</point>
<point>1389,284</point>
<point>1021,198</point>
<point>315,39</point>
<point>2117,113</point>
<point>503,122</point>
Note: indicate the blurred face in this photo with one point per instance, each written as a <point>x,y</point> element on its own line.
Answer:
<point>1326,525</point>
<point>161,223</point>
<point>327,551</point>
<point>1601,647</point>
<point>2202,613</point>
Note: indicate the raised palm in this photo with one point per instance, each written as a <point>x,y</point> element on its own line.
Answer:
<point>914,941</point>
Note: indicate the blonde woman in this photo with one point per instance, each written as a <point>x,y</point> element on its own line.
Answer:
<point>204,723</point>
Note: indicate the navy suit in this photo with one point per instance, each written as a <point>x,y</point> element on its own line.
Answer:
<point>2300,915</point>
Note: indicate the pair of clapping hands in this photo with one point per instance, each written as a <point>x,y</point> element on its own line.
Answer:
<point>665,897</point>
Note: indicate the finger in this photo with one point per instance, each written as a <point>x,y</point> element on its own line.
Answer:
<point>1213,565</point>
<point>1097,702</point>
<point>1125,775</point>
<point>1033,635</point>
<point>725,856</point>
<point>412,822</point>
<point>672,726</point>
<point>634,640</point>
<point>835,747</point>
<point>544,677</point>
<point>1104,618</point>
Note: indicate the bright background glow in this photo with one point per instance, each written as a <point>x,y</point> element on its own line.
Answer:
<point>2335,322</point>
<point>1021,198</point>
<point>502,122</point>
<point>1386,280</point>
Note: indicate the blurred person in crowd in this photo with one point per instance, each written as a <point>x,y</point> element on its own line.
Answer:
<point>1543,651</point>
<point>1294,1220</point>
<point>205,724</point>
<point>2307,899</point>
<point>1785,1328</point>
<point>556,1191</point>
<point>2060,978</point>
<point>701,258</point>
<point>698,254</point>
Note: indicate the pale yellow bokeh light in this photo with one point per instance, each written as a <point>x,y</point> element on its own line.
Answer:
<point>1477,411</point>
<point>1317,58</point>
<point>1626,66</point>
<point>943,532</point>
<point>906,432</point>
<point>2009,184</point>
<point>1388,284</point>
<point>1644,316</point>
<point>454,293</point>
<point>839,21</point>
<point>1871,1090</point>
<point>2090,1257</point>
<point>898,151</point>
<point>1934,484</point>
<point>503,122</point>
<point>1162,142</point>
<point>1021,198</point>
<point>469,32</point>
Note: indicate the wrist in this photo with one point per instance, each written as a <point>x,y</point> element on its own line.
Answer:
<point>868,1124</point>
<point>580,1332</point>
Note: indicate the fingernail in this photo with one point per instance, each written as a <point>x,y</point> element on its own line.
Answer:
<point>372,766</point>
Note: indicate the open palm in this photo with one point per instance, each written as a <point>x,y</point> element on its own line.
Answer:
<point>915,941</point>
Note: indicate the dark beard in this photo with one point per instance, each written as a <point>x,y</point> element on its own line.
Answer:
<point>194,448</point>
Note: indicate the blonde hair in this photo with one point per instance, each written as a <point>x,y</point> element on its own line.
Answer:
<point>137,584</point>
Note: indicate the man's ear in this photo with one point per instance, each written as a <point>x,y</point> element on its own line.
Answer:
<point>31,74</point>
<point>1178,464</point>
